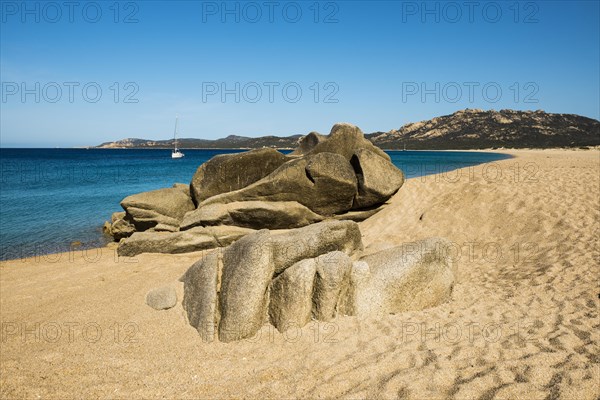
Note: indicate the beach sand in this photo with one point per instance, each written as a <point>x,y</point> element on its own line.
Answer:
<point>523,321</point>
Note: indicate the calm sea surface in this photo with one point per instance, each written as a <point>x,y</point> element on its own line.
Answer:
<point>50,198</point>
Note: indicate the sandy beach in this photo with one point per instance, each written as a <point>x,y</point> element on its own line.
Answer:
<point>523,321</point>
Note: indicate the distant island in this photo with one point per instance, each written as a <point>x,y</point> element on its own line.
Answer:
<point>464,129</point>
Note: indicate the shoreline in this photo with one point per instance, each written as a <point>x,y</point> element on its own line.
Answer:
<point>69,247</point>
<point>413,164</point>
<point>489,149</point>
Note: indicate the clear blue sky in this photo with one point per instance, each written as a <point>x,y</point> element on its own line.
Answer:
<point>374,58</point>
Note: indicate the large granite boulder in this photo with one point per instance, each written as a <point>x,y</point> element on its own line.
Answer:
<point>341,176</point>
<point>163,206</point>
<point>331,284</point>
<point>345,139</point>
<point>252,214</point>
<point>378,179</point>
<point>410,277</point>
<point>357,288</point>
<point>324,182</point>
<point>247,273</point>
<point>195,239</point>
<point>291,295</point>
<point>201,285</point>
<point>228,172</point>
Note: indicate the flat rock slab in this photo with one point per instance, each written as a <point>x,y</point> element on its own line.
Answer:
<point>180,242</point>
<point>252,214</point>
<point>358,215</point>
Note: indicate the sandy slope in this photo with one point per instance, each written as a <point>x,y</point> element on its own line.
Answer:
<point>523,321</point>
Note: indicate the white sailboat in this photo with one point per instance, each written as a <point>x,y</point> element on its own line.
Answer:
<point>176,153</point>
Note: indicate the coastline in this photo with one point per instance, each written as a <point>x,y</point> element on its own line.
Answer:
<point>84,172</point>
<point>522,320</point>
<point>487,149</point>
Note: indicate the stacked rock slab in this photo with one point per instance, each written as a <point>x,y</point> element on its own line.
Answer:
<point>334,175</point>
<point>252,214</point>
<point>196,239</point>
<point>341,176</point>
<point>164,207</point>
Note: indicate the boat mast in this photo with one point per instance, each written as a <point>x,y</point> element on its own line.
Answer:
<point>175,134</point>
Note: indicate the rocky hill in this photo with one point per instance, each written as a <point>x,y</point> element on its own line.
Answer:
<point>465,129</point>
<point>473,129</point>
<point>230,142</point>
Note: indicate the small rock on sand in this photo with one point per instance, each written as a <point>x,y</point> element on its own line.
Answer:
<point>162,298</point>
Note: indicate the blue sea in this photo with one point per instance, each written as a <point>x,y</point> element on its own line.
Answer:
<point>53,198</point>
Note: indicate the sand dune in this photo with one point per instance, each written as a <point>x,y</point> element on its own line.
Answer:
<point>523,322</point>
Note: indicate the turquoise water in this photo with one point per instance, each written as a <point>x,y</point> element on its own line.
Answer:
<point>50,198</point>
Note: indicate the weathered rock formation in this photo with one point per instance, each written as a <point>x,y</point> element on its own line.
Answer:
<point>342,176</point>
<point>262,278</point>
<point>241,278</point>
<point>286,247</point>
